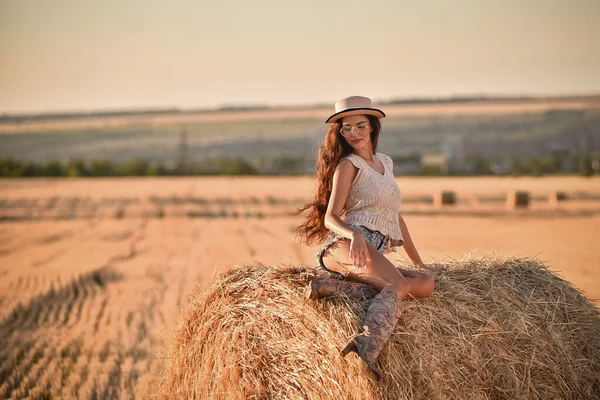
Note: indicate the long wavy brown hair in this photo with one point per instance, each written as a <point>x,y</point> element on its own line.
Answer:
<point>331,152</point>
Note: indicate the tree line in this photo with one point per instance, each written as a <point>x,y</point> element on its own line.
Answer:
<point>550,164</point>
<point>468,166</point>
<point>10,167</point>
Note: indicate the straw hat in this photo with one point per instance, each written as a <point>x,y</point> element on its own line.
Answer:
<point>354,105</point>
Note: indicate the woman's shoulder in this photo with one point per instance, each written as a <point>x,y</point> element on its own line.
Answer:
<point>354,159</point>
<point>386,159</point>
<point>383,156</point>
<point>346,171</point>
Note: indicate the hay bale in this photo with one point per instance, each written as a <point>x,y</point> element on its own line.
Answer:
<point>493,329</point>
<point>158,212</point>
<point>444,198</point>
<point>555,197</point>
<point>119,213</point>
<point>517,198</point>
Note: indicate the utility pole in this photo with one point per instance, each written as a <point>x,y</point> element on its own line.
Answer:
<point>583,147</point>
<point>182,153</point>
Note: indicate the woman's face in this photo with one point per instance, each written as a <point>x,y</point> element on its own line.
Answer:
<point>356,130</point>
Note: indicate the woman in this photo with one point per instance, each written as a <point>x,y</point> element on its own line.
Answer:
<point>357,182</point>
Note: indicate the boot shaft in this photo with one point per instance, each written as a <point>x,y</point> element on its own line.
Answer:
<point>378,324</point>
<point>383,313</point>
<point>322,287</point>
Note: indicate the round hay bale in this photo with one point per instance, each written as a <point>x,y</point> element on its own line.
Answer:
<point>444,198</point>
<point>493,329</point>
<point>517,199</point>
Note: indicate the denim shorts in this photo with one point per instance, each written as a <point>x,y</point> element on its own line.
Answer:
<point>375,238</point>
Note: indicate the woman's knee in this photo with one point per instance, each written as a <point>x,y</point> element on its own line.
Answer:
<point>428,284</point>
<point>423,286</point>
<point>401,286</point>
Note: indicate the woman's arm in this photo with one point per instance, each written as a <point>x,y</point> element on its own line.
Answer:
<point>409,246</point>
<point>342,180</point>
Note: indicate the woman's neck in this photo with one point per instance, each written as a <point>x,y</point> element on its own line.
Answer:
<point>365,153</point>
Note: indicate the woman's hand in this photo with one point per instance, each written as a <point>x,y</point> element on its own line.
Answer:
<point>359,253</point>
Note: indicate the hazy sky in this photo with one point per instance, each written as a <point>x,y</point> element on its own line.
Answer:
<point>60,55</point>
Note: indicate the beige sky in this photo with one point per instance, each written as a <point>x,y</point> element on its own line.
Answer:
<point>90,55</point>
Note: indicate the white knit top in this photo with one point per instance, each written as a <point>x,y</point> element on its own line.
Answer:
<point>374,199</point>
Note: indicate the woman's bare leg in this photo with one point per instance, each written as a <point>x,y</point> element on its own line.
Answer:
<point>380,272</point>
<point>421,284</point>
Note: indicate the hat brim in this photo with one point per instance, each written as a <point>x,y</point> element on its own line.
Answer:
<point>356,111</point>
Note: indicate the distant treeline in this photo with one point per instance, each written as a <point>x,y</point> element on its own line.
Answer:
<point>21,118</point>
<point>17,118</point>
<point>492,99</point>
<point>286,166</point>
<point>104,168</point>
<point>573,164</point>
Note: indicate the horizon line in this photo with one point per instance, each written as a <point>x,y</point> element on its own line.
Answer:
<point>241,107</point>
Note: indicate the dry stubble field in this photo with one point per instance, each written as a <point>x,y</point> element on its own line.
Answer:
<point>94,272</point>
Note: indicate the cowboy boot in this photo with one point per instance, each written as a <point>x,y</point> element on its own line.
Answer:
<point>324,286</point>
<point>378,324</point>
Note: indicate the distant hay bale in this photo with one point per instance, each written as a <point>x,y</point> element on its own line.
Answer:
<point>493,329</point>
<point>560,196</point>
<point>444,198</point>
<point>517,199</point>
<point>555,197</point>
<point>159,212</point>
<point>119,213</point>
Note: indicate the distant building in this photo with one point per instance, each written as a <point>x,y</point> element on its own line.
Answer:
<point>407,165</point>
<point>435,162</point>
<point>454,149</point>
<point>501,167</point>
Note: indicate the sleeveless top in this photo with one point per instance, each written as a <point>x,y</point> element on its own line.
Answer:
<point>374,199</point>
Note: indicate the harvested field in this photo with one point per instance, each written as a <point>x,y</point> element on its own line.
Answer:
<point>93,272</point>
